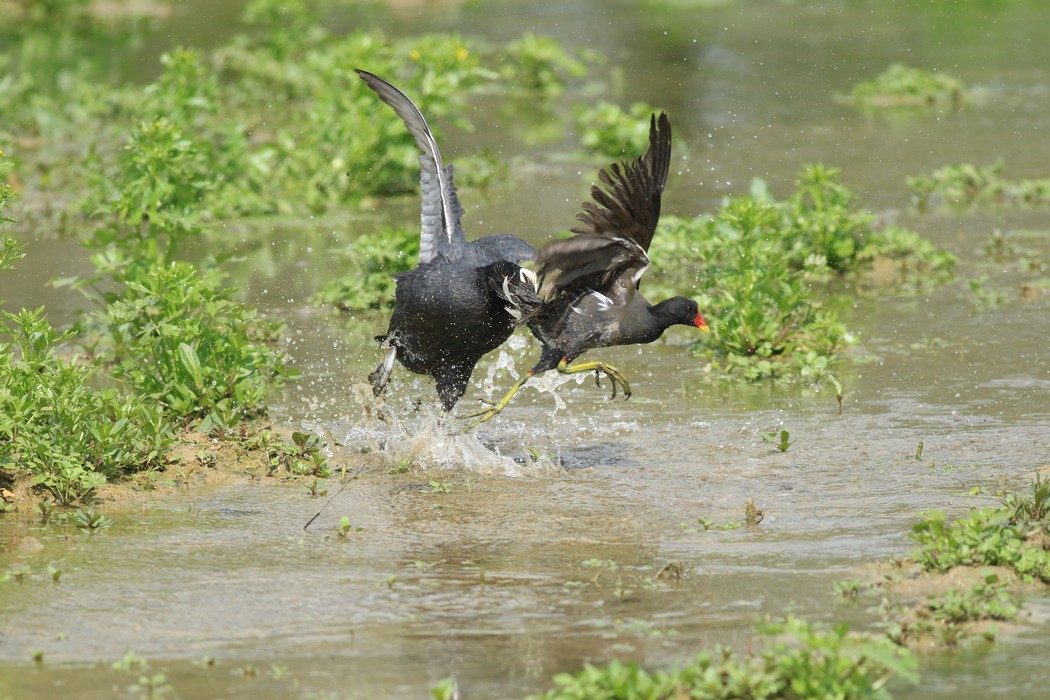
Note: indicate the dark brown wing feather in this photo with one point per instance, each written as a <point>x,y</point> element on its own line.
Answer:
<point>618,226</point>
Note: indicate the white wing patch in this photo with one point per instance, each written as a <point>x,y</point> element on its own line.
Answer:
<point>601,302</point>
<point>638,275</point>
<point>529,276</point>
<point>511,308</point>
<point>604,302</point>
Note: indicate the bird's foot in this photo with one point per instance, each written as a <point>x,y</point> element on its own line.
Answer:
<point>487,413</point>
<point>615,377</point>
<point>600,368</point>
<point>494,409</point>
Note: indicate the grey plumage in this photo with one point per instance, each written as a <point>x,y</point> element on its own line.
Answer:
<point>446,313</point>
<point>441,211</point>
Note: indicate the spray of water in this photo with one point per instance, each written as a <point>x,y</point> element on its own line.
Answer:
<point>400,432</point>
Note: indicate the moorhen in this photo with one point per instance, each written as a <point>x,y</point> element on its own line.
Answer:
<point>590,282</point>
<point>448,310</point>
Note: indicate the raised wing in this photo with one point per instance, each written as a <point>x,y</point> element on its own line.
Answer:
<point>617,228</point>
<point>441,232</point>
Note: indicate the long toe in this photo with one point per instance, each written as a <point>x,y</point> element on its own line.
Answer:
<point>482,416</point>
<point>617,378</point>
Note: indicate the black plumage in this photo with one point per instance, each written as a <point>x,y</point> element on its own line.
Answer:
<point>448,312</point>
<point>591,281</point>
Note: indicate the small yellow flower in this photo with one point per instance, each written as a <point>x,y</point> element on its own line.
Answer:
<point>414,55</point>
<point>462,53</point>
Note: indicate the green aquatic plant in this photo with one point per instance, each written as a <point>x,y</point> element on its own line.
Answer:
<point>902,85</point>
<point>956,615</point>
<point>983,294</point>
<point>912,257</point>
<point>759,308</point>
<point>541,64</point>
<point>1008,535</point>
<point>850,589</point>
<point>756,262</point>
<point>800,660</point>
<point>174,335</point>
<point>56,427</point>
<point>374,261</point>
<point>781,441</point>
<point>44,508</point>
<point>440,486</point>
<point>90,522</point>
<point>315,488</point>
<point>445,689</point>
<point>984,601</point>
<point>965,185</point>
<point>344,529</point>
<point>610,131</point>
<point>68,437</point>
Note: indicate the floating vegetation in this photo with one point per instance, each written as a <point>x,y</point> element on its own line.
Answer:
<point>799,660</point>
<point>207,140</point>
<point>610,131</point>
<point>902,86</point>
<point>760,259</point>
<point>964,185</point>
<point>540,64</point>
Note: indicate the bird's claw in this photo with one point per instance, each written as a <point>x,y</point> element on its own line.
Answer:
<point>615,377</point>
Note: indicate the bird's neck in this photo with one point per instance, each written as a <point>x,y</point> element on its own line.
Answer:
<point>663,316</point>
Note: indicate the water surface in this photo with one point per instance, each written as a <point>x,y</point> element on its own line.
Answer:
<point>522,570</point>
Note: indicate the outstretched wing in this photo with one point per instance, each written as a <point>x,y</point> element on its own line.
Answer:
<point>617,227</point>
<point>441,232</point>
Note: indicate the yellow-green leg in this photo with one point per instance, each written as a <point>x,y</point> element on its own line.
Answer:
<point>614,375</point>
<point>491,412</point>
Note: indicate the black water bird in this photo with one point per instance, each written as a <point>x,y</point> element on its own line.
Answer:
<point>590,282</point>
<point>448,311</point>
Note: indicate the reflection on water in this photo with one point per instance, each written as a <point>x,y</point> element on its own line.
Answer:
<point>509,554</point>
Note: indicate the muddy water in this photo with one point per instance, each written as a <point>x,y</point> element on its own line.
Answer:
<point>481,563</point>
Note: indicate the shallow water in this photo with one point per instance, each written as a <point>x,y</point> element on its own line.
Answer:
<point>506,578</point>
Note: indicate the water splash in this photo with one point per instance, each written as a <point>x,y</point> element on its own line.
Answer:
<point>400,432</point>
<point>429,441</point>
<point>502,373</point>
